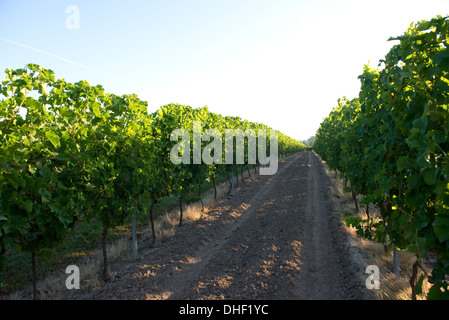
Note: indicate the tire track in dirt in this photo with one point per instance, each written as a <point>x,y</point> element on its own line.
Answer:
<point>273,239</point>
<point>181,283</point>
<point>324,273</point>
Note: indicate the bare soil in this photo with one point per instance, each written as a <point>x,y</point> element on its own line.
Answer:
<point>274,238</point>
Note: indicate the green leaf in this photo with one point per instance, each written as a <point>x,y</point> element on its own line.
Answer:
<point>430,176</point>
<point>420,124</point>
<point>43,89</point>
<point>46,196</point>
<point>402,162</point>
<point>418,286</point>
<point>28,205</point>
<point>96,110</point>
<point>435,293</point>
<point>54,139</point>
<point>32,168</point>
<point>441,227</point>
<point>13,182</point>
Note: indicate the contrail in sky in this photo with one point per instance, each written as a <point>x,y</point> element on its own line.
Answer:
<point>48,54</point>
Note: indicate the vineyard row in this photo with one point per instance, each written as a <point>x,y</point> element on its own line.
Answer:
<point>71,152</point>
<point>391,144</point>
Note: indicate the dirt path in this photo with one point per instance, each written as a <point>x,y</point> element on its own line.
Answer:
<point>273,239</point>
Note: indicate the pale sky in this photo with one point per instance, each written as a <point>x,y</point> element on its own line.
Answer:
<point>284,62</point>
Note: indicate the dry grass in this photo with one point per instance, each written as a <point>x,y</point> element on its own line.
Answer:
<point>54,287</point>
<point>165,226</point>
<point>365,252</point>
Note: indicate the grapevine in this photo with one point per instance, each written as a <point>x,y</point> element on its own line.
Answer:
<point>391,144</point>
